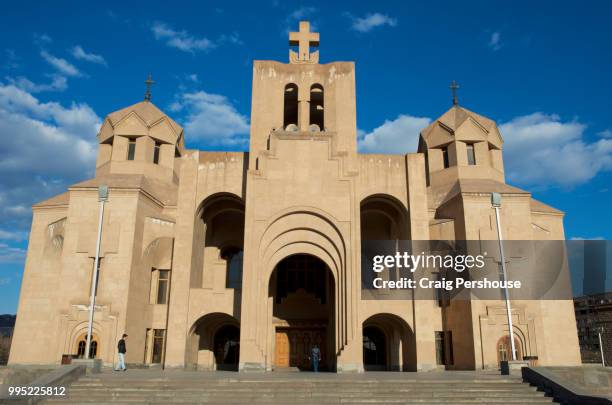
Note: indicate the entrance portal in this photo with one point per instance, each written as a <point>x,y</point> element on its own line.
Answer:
<point>227,348</point>
<point>302,288</point>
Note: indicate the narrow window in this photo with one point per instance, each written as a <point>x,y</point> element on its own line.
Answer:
<point>445,157</point>
<point>440,353</point>
<point>316,108</point>
<point>233,258</point>
<point>471,156</point>
<point>291,107</point>
<point>158,345</point>
<point>131,148</point>
<point>162,287</point>
<point>156,150</point>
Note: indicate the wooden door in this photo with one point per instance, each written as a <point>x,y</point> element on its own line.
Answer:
<point>281,358</point>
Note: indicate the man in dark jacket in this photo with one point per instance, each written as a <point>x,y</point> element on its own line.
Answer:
<point>122,350</point>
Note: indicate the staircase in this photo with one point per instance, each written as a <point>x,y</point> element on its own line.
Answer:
<point>157,387</point>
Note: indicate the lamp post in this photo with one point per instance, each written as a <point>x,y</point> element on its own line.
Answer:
<point>102,197</point>
<point>496,204</point>
<point>600,330</point>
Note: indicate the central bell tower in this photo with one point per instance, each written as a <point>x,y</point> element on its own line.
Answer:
<point>303,97</point>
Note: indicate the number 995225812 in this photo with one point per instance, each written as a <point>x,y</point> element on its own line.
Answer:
<point>36,391</point>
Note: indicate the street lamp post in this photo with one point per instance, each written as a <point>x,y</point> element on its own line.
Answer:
<point>496,204</point>
<point>102,197</point>
<point>601,351</point>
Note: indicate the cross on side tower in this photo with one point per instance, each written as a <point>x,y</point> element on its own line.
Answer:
<point>149,82</point>
<point>304,39</point>
<point>454,87</point>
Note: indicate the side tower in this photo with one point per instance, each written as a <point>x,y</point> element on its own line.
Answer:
<point>300,284</point>
<point>137,159</point>
<point>464,166</point>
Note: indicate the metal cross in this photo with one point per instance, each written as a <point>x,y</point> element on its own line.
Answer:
<point>149,82</point>
<point>304,39</point>
<point>454,86</point>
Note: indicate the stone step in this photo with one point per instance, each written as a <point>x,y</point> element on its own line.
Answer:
<point>320,389</point>
<point>287,384</point>
<point>292,390</point>
<point>309,401</point>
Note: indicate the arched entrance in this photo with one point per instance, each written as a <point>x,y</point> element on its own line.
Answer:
<point>302,291</point>
<point>374,349</point>
<point>504,349</point>
<point>227,347</point>
<point>388,344</point>
<point>214,343</point>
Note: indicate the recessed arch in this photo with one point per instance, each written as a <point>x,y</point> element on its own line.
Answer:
<point>317,108</point>
<point>219,224</point>
<point>302,293</point>
<point>395,336</point>
<point>290,112</point>
<point>213,342</point>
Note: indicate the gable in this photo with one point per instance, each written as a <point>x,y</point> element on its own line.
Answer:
<point>131,124</point>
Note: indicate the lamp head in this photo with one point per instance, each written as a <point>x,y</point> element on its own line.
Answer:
<point>103,193</point>
<point>496,199</point>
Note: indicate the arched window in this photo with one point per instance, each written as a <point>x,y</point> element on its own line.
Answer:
<point>233,257</point>
<point>93,348</point>
<point>291,106</point>
<point>316,107</point>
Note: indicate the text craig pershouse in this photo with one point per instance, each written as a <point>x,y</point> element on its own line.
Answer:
<point>458,263</point>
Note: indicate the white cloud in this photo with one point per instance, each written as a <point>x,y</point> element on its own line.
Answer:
<point>495,41</point>
<point>60,64</point>
<point>581,238</point>
<point>12,235</point>
<point>372,20</point>
<point>46,147</point>
<point>193,78</point>
<point>213,119</point>
<point>79,53</point>
<point>606,133</point>
<point>57,83</point>
<point>42,39</point>
<point>398,136</point>
<point>10,254</point>
<point>299,14</point>
<point>541,149</point>
<point>180,39</point>
<point>302,12</point>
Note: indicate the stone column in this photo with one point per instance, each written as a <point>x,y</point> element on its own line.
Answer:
<point>419,234</point>
<point>181,272</point>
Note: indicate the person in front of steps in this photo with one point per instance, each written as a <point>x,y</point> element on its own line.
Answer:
<point>122,350</point>
<point>315,357</point>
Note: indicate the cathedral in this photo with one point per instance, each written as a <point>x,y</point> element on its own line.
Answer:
<point>246,260</point>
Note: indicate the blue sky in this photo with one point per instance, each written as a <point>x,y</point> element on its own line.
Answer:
<point>540,69</point>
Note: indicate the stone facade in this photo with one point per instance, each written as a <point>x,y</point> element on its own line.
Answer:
<point>245,260</point>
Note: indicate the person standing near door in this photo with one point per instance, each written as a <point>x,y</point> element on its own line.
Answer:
<point>315,357</point>
<point>121,348</point>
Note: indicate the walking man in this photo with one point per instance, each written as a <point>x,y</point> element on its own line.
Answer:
<point>122,350</point>
<point>316,357</point>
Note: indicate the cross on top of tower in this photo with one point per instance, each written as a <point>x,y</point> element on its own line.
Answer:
<point>149,82</point>
<point>454,87</point>
<point>304,39</point>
